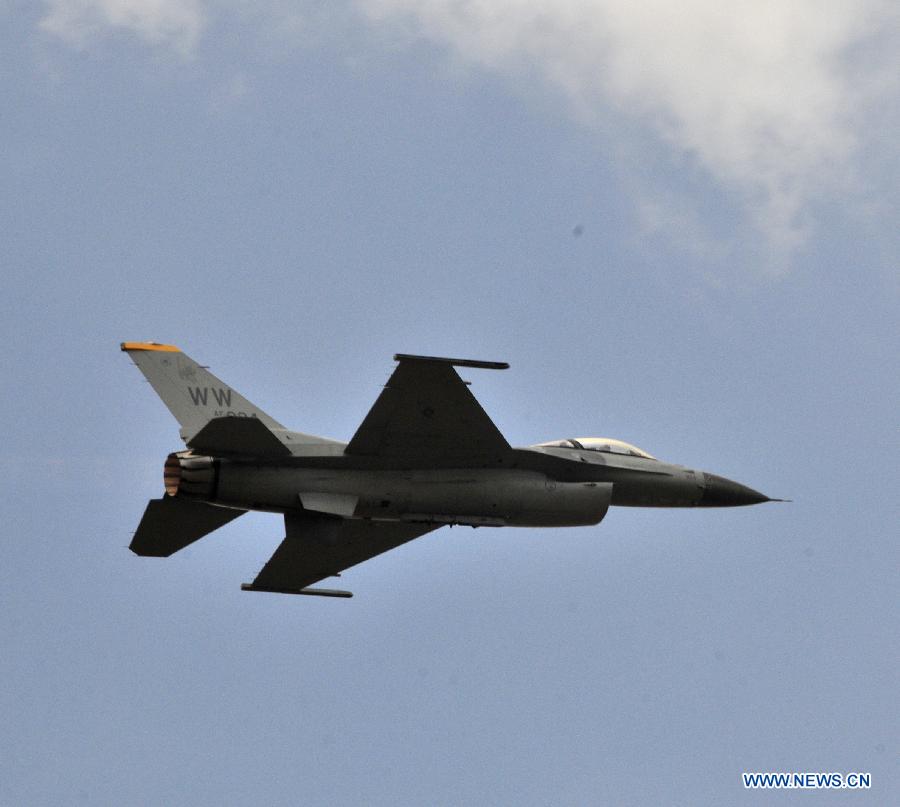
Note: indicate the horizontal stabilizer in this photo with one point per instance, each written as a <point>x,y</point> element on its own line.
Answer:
<point>243,436</point>
<point>171,523</point>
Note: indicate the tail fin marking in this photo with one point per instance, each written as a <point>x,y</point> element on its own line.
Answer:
<point>192,394</point>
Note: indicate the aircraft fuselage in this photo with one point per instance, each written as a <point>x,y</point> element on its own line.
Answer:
<point>530,487</point>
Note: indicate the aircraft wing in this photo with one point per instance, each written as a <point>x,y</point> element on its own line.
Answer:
<point>316,547</point>
<point>426,413</point>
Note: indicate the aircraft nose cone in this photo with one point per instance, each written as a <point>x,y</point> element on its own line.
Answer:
<point>722,492</point>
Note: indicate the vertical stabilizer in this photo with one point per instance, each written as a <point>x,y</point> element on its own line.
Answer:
<point>192,393</point>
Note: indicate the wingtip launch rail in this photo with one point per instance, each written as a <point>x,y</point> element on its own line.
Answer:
<point>314,592</point>
<point>484,365</point>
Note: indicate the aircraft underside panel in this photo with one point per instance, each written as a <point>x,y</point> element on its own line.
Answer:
<point>485,497</point>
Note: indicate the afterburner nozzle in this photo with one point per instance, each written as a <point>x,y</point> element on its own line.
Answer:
<point>189,475</point>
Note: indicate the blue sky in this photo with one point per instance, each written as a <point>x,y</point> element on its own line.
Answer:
<point>677,225</point>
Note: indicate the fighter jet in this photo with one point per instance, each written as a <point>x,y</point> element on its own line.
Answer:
<point>426,455</point>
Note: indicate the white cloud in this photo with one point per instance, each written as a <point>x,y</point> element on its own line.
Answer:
<point>768,98</point>
<point>759,94</point>
<point>172,23</point>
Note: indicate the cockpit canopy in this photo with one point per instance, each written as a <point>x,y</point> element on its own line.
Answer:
<point>606,444</point>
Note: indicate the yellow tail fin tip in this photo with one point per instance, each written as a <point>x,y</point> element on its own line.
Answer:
<point>149,346</point>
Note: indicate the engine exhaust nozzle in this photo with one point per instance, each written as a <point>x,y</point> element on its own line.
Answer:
<point>189,475</point>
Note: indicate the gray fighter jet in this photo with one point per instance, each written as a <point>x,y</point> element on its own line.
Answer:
<point>425,456</point>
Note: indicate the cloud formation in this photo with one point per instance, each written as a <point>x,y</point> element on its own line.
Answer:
<point>762,96</point>
<point>171,23</point>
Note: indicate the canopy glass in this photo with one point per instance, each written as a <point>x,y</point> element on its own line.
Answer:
<point>605,444</point>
